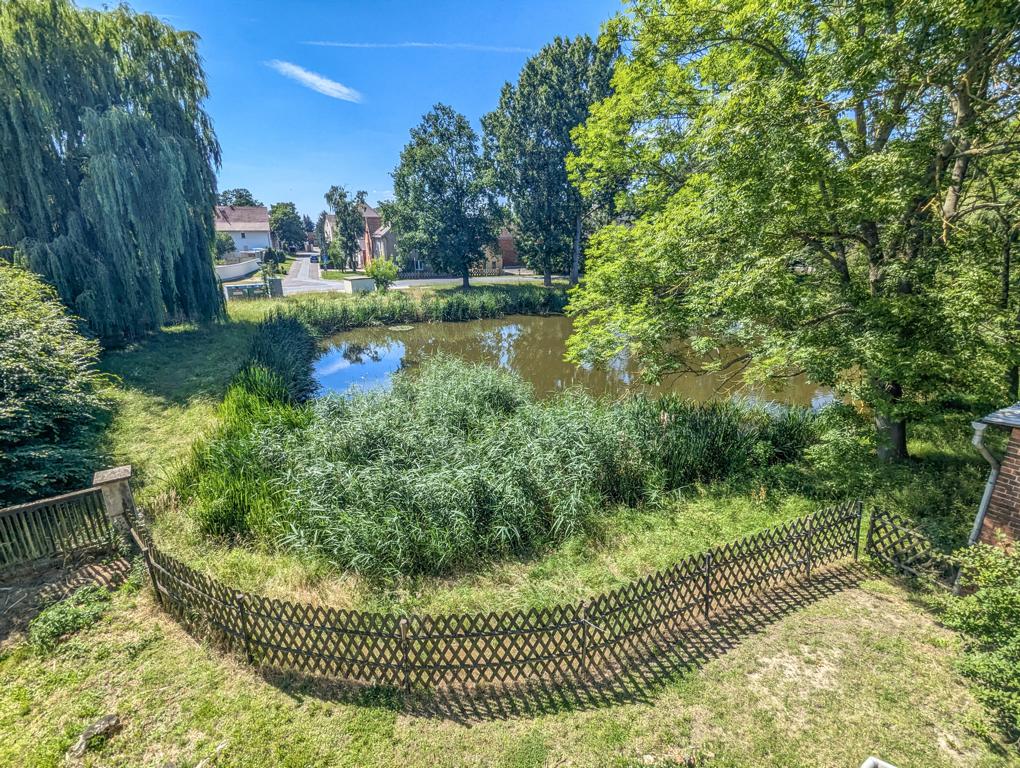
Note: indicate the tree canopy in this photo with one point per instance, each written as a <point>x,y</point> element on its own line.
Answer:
<point>239,197</point>
<point>50,391</point>
<point>286,224</point>
<point>106,171</point>
<point>443,208</point>
<point>350,226</point>
<point>806,183</point>
<point>527,141</point>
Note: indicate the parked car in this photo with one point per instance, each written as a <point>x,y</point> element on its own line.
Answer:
<point>314,259</point>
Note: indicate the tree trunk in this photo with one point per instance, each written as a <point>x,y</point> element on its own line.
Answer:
<point>465,275</point>
<point>891,434</point>
<point>547,275</point>
<point>575,263</point>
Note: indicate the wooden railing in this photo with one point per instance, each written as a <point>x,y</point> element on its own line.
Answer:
<point>62,526</point>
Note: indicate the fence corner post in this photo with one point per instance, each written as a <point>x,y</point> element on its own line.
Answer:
<point>241,599</point>
<point>147,559</point>
<point>115,484</point>
<point>405,671</point>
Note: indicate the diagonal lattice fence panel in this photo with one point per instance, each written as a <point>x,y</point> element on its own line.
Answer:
<point>893,541</point>
<point>634,625</point>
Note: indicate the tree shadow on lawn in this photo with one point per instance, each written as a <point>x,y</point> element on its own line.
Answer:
<point>179,363</point>
<point>636,675</point>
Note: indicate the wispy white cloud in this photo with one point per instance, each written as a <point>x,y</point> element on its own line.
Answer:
<point>448,46</point>
<point>315,81</point>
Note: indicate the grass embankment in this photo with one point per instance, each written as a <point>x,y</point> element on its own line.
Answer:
<point>864,672</point>
<point>339,274</point>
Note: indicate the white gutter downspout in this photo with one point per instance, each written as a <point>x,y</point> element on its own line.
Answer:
<point>978,441</point>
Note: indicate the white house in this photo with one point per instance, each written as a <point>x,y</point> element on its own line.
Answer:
<point>248,226</point>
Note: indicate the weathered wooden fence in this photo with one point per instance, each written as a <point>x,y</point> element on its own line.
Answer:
<point>593,638</point>
<point>65,525</point>
<point>52,528</point>
<point>893,541</point>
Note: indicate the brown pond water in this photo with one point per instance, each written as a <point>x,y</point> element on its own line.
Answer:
<point>531,346</point>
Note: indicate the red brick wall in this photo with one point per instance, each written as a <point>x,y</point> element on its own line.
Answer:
<point>1003,516</point>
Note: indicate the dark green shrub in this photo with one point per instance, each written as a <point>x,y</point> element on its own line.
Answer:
<point>284,345</point>
<point>989,618</point>
<point>50,392</point>
<point>80,610</point>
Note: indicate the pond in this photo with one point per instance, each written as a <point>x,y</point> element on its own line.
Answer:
<point>531,346</point>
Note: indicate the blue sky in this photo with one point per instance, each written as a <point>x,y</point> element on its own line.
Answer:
<point>294,117</point>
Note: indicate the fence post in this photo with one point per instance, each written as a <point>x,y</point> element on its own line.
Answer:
<point>871,530</point>
<point>148,566</point>
<point>859,511</point>
<point>117,498</point>
<point>242,608</point>
<point>708,584</point>
<point>405,671</point>
<point>810,541</point>
<point>584,640</point>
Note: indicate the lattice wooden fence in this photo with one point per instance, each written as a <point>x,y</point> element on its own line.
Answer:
<point>53,528</point>
<point>593,638</point>
<point>893,541</point>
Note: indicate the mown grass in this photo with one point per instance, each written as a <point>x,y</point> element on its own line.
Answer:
<point>863,672</point>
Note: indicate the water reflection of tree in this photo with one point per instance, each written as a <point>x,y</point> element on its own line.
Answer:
<point>357,354</point>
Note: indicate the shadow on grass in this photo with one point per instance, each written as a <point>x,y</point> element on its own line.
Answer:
<point>635,675</point>
<point>182,362</point>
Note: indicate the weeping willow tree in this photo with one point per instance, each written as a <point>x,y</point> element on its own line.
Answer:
<point>107,164</point>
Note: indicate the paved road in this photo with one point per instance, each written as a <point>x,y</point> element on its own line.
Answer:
<point>303,277</point>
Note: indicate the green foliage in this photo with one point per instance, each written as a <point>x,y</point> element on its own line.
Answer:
<point>527,141</point>
<point>284,345</point>
<point>456,464</point>
<point>350,227</point>
<point>80,610</point>
<point>443,209</point>
<point>224,244</point>
<point>238,197</point>
<point>794,176</point>
<point>989,618</point>
<point>50,392</point>
<point>286,224</point>
<point>383,272</point>
<point>106,172</point>
<point>328,315</point>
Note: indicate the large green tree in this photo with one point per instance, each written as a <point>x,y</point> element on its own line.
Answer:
<point>527,141</point>
<point>802,183</point>
<point>443,208</point>
<point>286,224</point>
<point>350,226</point>
<point>106,164</point>
<point>238,196</point>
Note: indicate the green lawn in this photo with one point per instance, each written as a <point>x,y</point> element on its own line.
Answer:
<point>861,672</point>
<point>337,274</point>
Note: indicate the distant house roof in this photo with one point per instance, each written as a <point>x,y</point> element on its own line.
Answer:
<point>382,231</point>
<point>1005,417</point>
<point>241,218</point>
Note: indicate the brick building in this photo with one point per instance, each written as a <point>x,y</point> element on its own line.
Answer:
<point>998,518</point>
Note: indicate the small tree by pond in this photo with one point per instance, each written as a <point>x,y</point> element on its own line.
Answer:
<point>383,272</point>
